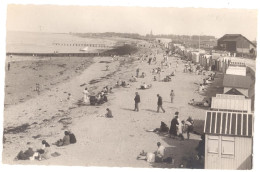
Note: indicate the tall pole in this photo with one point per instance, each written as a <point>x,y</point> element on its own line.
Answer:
<point>199,42</point>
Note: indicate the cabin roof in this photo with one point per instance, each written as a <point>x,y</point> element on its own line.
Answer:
<point>237,81</point>
<point>229,123</point>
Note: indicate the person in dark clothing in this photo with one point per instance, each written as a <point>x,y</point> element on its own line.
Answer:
<point>163,128</point>
<point>109,113</point>
<point>8,66</point>
<point>25,155</point>
<point>174,125</point>
<point>137,101</point>
<point>150,60</point>
<point>137,72</point>
<point>72,138</point>
<point>189,123</point>
<point>159,103</point>
<point>201,147</point>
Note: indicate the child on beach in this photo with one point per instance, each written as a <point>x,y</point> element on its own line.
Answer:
<point>172,95</point>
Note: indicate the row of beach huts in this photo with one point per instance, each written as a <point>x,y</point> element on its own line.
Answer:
<point>229,123</point>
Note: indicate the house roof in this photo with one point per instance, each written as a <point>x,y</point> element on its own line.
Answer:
<point>234,37</point>
<point>229,123</point>
<point>231,103</point>
<point>237,81</point>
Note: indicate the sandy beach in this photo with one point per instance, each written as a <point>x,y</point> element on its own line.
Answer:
<point>102,141</point>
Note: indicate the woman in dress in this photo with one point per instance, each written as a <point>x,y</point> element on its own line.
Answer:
<point>86,95</point>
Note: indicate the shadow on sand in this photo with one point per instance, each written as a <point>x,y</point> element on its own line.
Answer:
<point>150,110</point>
<point>182,154</point>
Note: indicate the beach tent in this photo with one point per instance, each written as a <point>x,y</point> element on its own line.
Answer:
<point>231,103</point>
<point>228,140</point>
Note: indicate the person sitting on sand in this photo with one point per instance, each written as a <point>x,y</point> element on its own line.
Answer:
<point>201,88</point>
<point>65,141</point>
<point>149,157</point>
<point>163,128</point>
<point>105,89</point>
<point>144,85</point>
<point>123,84</point>
<point>201,104</point>
<point>109,113</point>
<point>44,152</point>
<point>159,154</point>
<point>208,81</point>
<point>191,102</point>
<point>133,79</point>
<point>206,103</point>
<point>117,84</point>
<point>26,155</point>
<point>143,75</point>
<point>154,78</point>
<point>72,138</point>
<point>98,98</point>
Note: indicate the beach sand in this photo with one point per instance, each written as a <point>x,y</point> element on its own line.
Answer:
<point>114,142</point>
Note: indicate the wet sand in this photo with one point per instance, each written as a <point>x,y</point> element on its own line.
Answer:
<point>102,141</point>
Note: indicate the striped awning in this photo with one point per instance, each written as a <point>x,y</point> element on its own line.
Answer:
<point>229,123</point>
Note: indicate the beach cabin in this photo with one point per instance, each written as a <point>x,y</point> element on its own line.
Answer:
<point>195,57</point>
<point>236,84</point>
<point>228,140</point>
<point>234,103</point>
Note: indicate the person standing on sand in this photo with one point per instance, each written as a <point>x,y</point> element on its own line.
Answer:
<point>159,103</point>
<point>86,95</point>
<point>172,96</point>
<point>8,66</point>
<point>137,101</point>
<point>174,125</point>
<point>137,72</point>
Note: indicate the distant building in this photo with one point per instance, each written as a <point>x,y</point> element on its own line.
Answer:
<point>164,41</point>
<point>236,43</point>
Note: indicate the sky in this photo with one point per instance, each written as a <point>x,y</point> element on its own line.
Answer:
<point>179,21</point>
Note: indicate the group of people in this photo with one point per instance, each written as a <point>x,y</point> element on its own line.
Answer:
<point>69,138</point>
<point>39,154</point>
<point>157,156</point>
<point>122,84</point>
<point>45,151</point>
<point>100,98</point>
<point>179,127</point>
